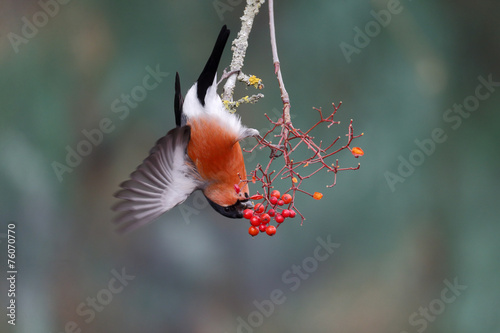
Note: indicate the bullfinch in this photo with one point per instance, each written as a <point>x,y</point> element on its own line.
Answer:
<point>201,153</point>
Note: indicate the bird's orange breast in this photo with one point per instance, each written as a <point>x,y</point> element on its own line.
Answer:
<point>217,155</point>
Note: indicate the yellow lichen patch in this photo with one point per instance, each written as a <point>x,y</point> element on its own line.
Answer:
<point>253,80</point>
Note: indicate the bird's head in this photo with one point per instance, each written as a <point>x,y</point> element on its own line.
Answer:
<point>228,200</point>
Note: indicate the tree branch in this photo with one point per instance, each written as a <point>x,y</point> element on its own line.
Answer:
<point>239,48</point>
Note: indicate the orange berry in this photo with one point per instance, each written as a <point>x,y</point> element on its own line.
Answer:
<point>287,198</point>
<point>265,218</point>
<point>294,180</point>
<point>259,208</point>
<point>357,152</point>
<point>276,194</point>
<point>317,195</point>
<point>253,231</point>
<point>271,230</point>
<point>256,197</point>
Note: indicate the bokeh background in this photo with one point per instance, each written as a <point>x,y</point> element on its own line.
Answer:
<point>195,271</point>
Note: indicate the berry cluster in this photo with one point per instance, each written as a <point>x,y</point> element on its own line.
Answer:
<point>294,168</point>
<point>260,220</point>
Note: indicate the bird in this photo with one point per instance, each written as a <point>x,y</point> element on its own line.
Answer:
<point>201,153</point>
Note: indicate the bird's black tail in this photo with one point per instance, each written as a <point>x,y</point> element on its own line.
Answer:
<point>208,74</point>
<point>178,101</point>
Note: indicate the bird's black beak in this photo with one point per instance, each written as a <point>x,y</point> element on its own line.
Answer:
<point>234,211</point>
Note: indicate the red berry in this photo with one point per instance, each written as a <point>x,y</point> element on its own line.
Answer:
<point>285,213</point>
<point>255,221</point>
<point>276,194</point>
<point>259,208</point>
<point>262,227</point>
<point>253,231</point>
<point>273,200</point>
<point>271,230</point>
<point>265,218</point>
<point>287,198</point>
<point>248,213</point>
<point>271,212</point>
<point>279,218</point>
<point>292,214</point>
<point>281,202</point>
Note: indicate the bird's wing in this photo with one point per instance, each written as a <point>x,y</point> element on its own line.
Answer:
<point>165,179</point>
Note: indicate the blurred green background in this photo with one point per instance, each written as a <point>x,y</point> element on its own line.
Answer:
<point>194,271</point>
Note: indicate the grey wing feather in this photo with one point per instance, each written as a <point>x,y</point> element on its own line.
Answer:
<point>165,179</point>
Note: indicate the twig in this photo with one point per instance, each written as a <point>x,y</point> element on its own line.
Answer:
<point>290,170</point>
<point>277,69</point>
<point>244,100</point>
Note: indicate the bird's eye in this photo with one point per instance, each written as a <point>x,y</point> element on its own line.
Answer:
<point>246,195</point>
<point>226,209</point>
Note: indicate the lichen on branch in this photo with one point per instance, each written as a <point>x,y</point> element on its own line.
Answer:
<point>239,48</point>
